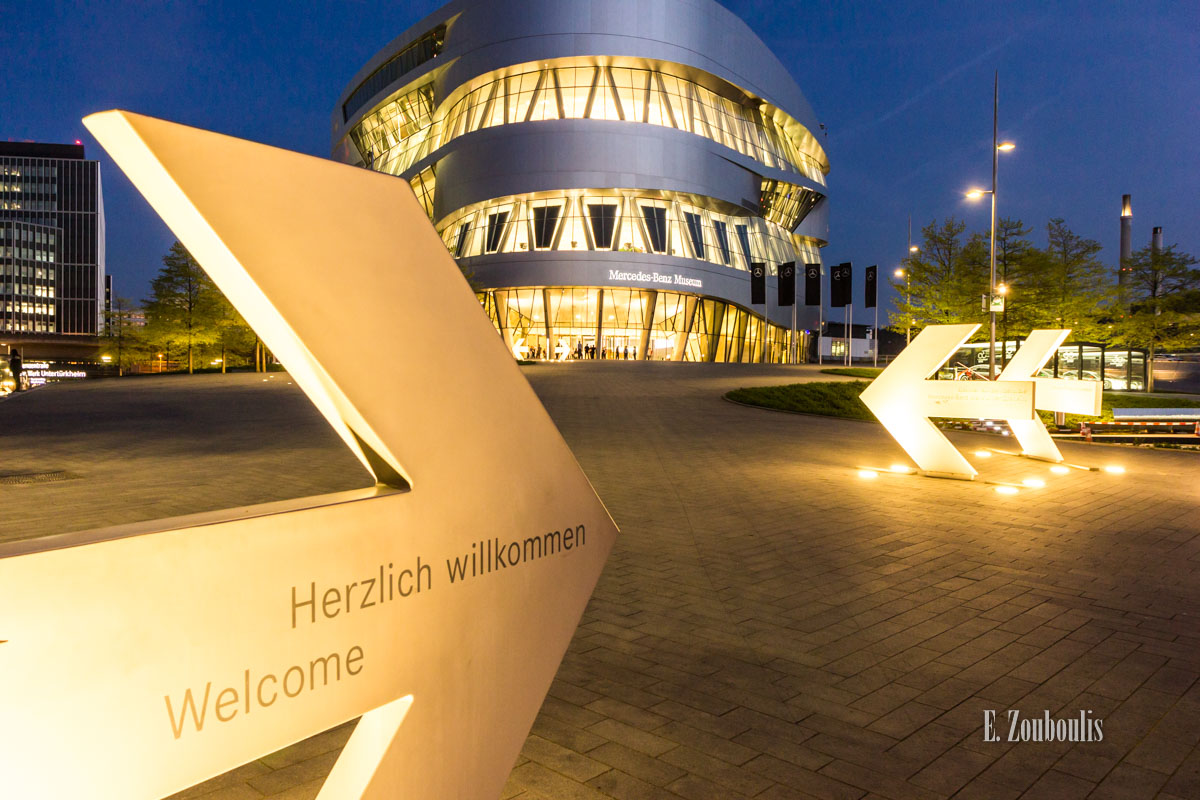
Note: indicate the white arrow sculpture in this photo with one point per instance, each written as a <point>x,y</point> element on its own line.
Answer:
<point>1050,394</point>
<point>144,659</point>
<point>903,400</point>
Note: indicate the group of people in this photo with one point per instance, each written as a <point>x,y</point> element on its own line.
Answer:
<point>589,351</point>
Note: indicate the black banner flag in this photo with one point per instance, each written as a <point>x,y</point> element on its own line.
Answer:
<point>758,283</point>
<point>869,286</point>
<point>787,283</point>
<point>812,284</point>
<point>840,285</point>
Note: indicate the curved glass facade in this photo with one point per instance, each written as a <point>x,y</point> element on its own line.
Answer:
<point>658,164</point>
<point>563,324</point>
<point>666,223</point>
<point>405,129</point>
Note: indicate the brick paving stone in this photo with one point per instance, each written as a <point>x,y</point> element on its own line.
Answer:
<point>632,737</point>
<point>623,786</point>
<point>1127,782</point>
<point>791,775</point>
<point>984,789</point>
<point>560,759</point>
<point>951,770</point>
<point>877,782</point>
<point>552,784</point>
<point>838,639</point>
<point>1160,753</point>
<point>1060,786</point>
<point>305,771</point>
<point>641,766</point>
<point>714,769</point>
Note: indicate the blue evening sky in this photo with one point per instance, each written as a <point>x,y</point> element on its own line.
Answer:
<point>1102,99</point>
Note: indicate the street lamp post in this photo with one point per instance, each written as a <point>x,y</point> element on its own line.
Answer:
<point>975,194</point>
<point>907,275</point>
<point>901,273</point>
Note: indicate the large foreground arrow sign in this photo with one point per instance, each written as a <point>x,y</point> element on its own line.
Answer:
<point>903,400</point>
<point>144,659</point>
<point>1050,394</point>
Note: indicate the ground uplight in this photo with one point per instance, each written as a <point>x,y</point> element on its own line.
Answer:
<point>867,473</point>
<point>1034,483</point>
<point>983,454</point>
<point>1006,490</point>
<point>1115,469</point>
<point>1059,469</point>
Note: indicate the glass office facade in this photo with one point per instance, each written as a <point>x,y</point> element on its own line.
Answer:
<point>51,240</point>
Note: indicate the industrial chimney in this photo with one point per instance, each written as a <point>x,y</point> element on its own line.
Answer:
<point>1156,240</point>
<point>1126,238</point>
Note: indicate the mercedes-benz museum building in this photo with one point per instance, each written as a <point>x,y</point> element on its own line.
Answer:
<point>605,171</point>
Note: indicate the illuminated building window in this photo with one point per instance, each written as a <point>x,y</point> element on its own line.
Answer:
<point>743,234</point>
<point>568,323</point>
<point>656,227</point>
<point>495,230</point>
<point>722,240</point>
<point>603,217</point>
<point>695,233</point>
<point>461,243</point>
<point>408,59</point>
<point>545,223</point>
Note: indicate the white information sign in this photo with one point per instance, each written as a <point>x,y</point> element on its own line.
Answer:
<point>1050,394</point>
<point>903,399</point>
<point>142,660</point>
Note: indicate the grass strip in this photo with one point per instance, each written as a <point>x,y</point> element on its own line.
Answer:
<point>855,372</point>
<point>833,399</point>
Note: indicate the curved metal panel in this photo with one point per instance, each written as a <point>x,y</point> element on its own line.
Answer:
<point>816,224</point>
<point>573,154</point>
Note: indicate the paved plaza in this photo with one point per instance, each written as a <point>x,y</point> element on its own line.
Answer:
<point>769,624</point>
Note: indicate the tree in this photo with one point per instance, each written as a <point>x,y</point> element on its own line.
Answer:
<point>229,330</point>
<point>122,339</point>
<point>1164,291</point>
<point>1017,269</point>
<point>176,312</point>
<point>1072,287</point>
<point>943,280</point>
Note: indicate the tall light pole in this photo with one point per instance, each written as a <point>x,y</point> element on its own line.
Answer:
<point>901,273</point>
<point>975,194</point>
<point>907,275</point>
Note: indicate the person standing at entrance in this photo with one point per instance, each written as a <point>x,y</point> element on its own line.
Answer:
<point>14,363</point>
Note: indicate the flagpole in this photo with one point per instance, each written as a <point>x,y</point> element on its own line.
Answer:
<point>792,354</point>
<point>820,316</point>
<point>766,303</point>
<point>849,329</point>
